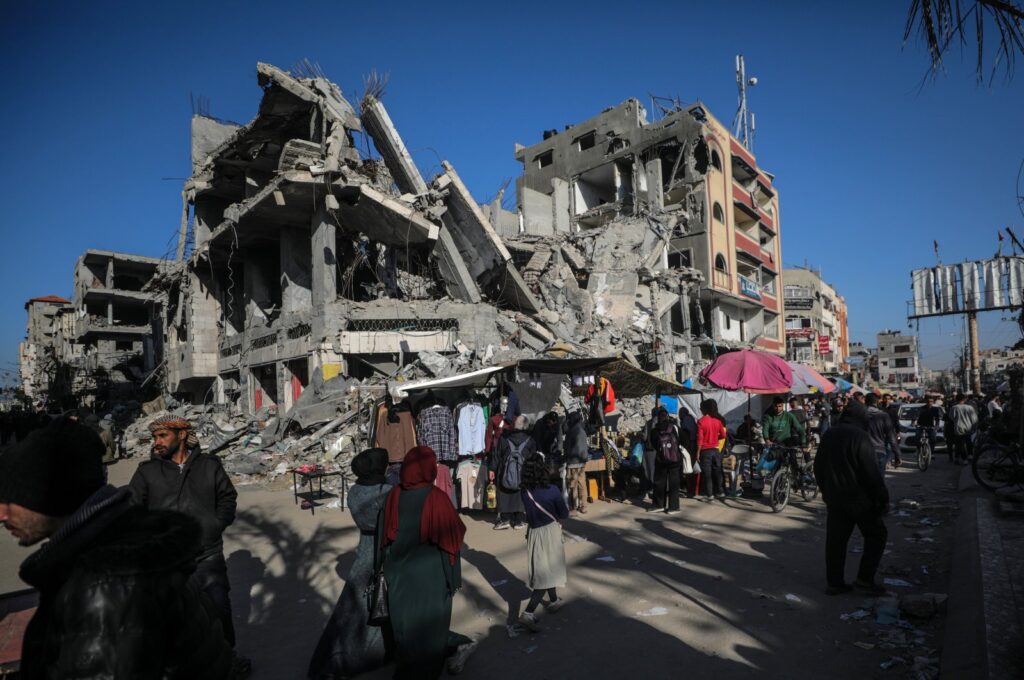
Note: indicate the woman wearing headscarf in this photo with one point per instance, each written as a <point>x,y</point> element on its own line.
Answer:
<point>506,464</point>
<point>545,509</point>
<point>422,535</point>
<point>349,645</point>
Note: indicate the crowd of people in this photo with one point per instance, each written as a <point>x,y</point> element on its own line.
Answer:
<point>130,578</point>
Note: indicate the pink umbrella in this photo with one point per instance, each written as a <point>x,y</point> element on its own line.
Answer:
<point>751,371</point>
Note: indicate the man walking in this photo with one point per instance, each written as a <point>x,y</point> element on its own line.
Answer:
<point>963,419</point>
<point>846,469</point>
<point>881,432</point>
<point>179,477</point>
<point>115,599</point>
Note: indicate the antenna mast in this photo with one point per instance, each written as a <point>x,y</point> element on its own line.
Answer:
<point>743,124</point>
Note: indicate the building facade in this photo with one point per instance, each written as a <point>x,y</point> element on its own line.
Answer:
<point>899,366</point>
<point>817,330</point>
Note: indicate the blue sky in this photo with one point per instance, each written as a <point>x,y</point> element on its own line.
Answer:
<point>870,167</point>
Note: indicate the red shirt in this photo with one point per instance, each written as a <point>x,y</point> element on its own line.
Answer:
<point>709,431</point>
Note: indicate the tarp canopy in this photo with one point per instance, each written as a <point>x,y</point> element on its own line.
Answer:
<point>628,380</point>
<point>478,378</point>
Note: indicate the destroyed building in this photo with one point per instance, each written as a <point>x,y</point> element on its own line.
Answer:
<point>310,254</point>
<point>35,351</point>
<point>671,215</point>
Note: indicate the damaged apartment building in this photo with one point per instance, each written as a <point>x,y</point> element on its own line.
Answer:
<point>102,346</point>
<point>304,254</point>
<point>108,341</point>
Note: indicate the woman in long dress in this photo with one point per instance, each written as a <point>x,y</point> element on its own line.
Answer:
<point>545,511</point>
<point>348,644</point>
<point>423,536</point>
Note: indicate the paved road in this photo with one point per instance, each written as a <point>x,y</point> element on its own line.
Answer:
<point>724,589</point>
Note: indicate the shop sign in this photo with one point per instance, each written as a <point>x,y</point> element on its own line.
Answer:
<point>824,347</point>
<point>749,288</point>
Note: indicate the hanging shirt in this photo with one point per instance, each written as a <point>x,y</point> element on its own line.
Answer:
<point>398,437</point>
<point>471,485</point>
<point>435,428</point>
<point>472,429</point>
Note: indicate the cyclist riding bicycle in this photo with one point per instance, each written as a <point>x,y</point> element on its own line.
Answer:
<point>928,420</point>
<point>782,428</point>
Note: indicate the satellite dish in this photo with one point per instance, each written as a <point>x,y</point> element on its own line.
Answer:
<point>753,81</point>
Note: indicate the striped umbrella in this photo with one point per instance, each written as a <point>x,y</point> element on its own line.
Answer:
<point>806,380</point>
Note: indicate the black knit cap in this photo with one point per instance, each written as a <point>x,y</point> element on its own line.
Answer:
<point>54,470</point>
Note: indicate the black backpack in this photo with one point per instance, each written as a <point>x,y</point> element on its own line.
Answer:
<point>668,446</point>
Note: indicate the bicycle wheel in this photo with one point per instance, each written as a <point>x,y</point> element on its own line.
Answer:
<point>924,456</point>
<point>780,490</point>
<point>998,468</point>
<point>808,485</point>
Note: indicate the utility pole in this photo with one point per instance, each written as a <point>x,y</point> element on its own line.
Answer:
<point>972,335</point>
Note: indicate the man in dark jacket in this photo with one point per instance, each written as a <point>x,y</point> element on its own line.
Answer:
<point>179,477</point>
<point>880,430</point>
<point>114,594</point>
<point>854,491</point>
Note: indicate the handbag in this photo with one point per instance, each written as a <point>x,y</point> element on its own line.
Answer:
<point>687,465</point>
<point>377,588</point>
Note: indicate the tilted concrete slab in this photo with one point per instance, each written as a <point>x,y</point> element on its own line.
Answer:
<point>382,131</point>
<point>486,257</point>
<point>363,208</point>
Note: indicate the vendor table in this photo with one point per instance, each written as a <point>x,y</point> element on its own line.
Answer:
<point>307,479</point>
<point>599,466</point>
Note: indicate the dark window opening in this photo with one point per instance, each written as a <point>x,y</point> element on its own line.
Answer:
<point>720,263</point>
<point>680,258</point>
<point>716,160</point>
<point>123,345</point>
<point>718,213</point>
<point>587,141</point>
<point>545,159</point>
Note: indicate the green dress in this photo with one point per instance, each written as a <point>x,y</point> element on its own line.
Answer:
<point>421,583</point>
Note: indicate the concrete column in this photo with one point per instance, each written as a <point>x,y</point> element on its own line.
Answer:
<point>561,205</point>
<point>325,263</point>
<point>655,197</point>
<point>296,270</point>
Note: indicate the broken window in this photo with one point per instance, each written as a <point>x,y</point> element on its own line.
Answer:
<point>718,212</point>
<point>587,141</point>
<point>680,258</point>
<point>716,160</point>
<point>545,159</point>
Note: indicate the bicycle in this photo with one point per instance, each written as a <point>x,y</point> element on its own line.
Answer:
<point>792,474</point>
<point>996,466</point>
<point>924,447</point>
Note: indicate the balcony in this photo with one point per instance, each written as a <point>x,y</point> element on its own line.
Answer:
<point>721,279</point>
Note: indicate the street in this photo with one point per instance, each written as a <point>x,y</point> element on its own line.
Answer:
<point>726,588</point>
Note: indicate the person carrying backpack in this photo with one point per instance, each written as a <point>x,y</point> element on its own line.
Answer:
<point>710,431</point>
<point>668,462</point>
<point>506,465</point>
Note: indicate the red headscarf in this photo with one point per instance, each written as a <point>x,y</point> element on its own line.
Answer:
<point>439,523</point>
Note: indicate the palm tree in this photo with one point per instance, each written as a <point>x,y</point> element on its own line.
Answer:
<point>942,23</point>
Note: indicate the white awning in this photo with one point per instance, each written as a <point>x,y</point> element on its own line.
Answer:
<point>479,378</point>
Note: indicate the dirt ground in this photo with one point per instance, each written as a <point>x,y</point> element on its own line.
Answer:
<point>727,588</point>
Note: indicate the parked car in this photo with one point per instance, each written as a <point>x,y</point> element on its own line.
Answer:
<point>907,416</point>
